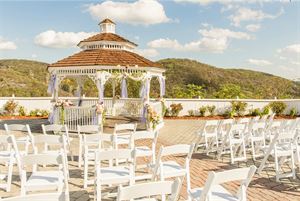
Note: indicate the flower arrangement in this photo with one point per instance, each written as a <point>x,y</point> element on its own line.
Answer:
<point>63,103</point>
<point>100,111</point>
<point>153,119</point>
<point>99,108</point>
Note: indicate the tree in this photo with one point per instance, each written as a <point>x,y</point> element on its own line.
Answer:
<point>229,91</point>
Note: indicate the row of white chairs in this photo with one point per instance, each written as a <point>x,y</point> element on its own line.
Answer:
<point>41,180</point>
<point>263,138</point>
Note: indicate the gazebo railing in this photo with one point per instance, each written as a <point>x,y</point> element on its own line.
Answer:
<point>86,114</point>
<point>74,116</point>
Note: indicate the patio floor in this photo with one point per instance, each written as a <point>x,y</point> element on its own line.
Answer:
<point>262,187</point>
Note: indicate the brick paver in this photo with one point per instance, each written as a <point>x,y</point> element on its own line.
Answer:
<point>262,187</point>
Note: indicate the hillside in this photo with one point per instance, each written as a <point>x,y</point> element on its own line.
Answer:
<point>29,78</point>
<point>253,84</point>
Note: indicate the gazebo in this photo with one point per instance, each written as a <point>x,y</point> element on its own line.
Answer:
<point>104,56</point>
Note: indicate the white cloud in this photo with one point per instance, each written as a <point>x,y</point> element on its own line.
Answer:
<point>150,52</point>
<point>291,49</point>
<point>7,45</point>
<point>253,27</point>
<point>259,62</point>
<point>291,53</point>
<point>247,14</point>
<point>214,40</point>
<point>145,12</point>
<point>53,39</point>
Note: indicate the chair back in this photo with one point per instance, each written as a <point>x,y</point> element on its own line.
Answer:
<point>124,128</point>
<point>55,128</point>
<point>86,129</point>
<point>114,154</point>
<point>48,140</point>
<point>177,149</point>
<point>159,188</point>
<point>240,174</point>
<point>97,140</point>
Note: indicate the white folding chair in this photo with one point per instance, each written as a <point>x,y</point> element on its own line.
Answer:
<point>213,190</point>
<point>210,135</point>
<point>257,138</point>
<point>149,190</point>
<point>26,140</point>
<point>117,174</point>
<point>199,134</point>
<point>223,128</point>
<point>52,144</point>
<point>44,180</point>
<point>7,157</point>
<point>93,143</point>
<point>164,169</point>
<point>237,143</point>
<point>87,129</point>
<point>122,133</point>
<point>58,129</point>
<point>282,150</point>
<point>40,197</point>
<point>144,151</point>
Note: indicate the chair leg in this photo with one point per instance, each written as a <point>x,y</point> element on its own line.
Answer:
<point>80,152</point>
<point>9,175</point>
<point>85,171</point>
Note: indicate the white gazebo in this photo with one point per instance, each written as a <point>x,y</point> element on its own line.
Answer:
<point>104,56</point>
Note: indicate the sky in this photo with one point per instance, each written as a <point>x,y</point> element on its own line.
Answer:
<point>261,35</point>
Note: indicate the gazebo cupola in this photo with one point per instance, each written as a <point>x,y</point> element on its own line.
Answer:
<point>107,26</point>
<point>107,39</point>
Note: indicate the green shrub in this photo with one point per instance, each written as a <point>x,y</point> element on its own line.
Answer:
<point>266,110</point>
<point>175,109</point>
<point>202,110</point>
<point>293,112</point>
<point>191,113</point>
<point>256,112</point>
<point>10,107</point>
<point>277,107</point>
<point>22,111</point>
<point>211,110</point>
<point>168,112</point>
<point>238,108</point>
<point>45,113</point>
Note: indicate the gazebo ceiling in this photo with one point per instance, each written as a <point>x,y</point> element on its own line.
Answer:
<point>104,57</point>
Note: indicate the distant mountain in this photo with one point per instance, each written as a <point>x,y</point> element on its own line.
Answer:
<point>29,78</point>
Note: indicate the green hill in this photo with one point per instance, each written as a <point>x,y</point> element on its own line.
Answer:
<point>29,78</point>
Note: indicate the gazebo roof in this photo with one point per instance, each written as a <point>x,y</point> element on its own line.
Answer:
<point>104,57</point>
<point>107,37</point>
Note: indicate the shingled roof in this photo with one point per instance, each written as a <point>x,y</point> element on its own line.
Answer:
<point>107,37</point>
<point>106,21</point>
<point>104,57</point>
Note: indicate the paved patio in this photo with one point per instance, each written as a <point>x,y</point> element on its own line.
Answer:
<point>262,187</point>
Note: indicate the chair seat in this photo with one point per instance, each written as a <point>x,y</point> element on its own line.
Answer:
<point>44,180</point>
<point>22,140</point>
<point>143,151</point>
<point>117,174</point>
<point>218,193</point>
<point>172,169</point>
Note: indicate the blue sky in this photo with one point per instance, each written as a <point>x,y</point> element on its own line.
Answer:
<point>256,35</point>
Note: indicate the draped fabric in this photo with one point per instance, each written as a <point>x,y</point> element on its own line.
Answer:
<point>52,115</point>
<point>52,83</point>
<point>145,88</point>
<point>100,86</point>
<point>162,85</point>
<point>124,93</point>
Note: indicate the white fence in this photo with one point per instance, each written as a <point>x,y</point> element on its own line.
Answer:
<point>32,103</point>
